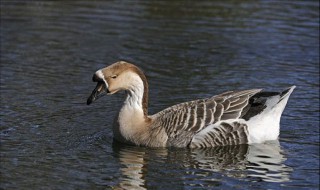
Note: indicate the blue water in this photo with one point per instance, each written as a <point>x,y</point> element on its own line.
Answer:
<point>50,138</point>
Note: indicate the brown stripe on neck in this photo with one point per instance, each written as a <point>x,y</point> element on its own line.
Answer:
<point>145,97</point>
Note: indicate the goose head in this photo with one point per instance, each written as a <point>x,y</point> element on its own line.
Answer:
<point>117,77</point>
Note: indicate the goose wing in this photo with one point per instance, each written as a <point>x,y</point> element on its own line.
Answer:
<point>181,122</point>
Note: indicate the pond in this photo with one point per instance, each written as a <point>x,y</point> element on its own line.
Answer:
<point>50,138</point>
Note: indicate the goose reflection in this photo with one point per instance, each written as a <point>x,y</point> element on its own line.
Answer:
<point>266,161</point>
<point>133,164</point>
<point>257,162</point>
<point>260,162</point>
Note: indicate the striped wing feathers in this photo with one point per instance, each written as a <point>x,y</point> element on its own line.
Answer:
<point>225,134</point>
<point>189,118</point>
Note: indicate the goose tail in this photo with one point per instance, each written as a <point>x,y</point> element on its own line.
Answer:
<point>286,93</point>
<point>264,124</point>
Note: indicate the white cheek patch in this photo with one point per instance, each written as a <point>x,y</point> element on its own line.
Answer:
<point>100,75</point>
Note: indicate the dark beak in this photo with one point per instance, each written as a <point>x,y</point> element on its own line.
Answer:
<point>98,92</point>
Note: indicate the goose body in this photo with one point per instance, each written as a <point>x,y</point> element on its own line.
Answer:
<point>234,117</point>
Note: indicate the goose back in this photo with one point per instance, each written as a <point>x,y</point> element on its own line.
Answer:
<point>183,121</point>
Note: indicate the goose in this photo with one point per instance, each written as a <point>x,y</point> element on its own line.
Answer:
<point>230,118</point>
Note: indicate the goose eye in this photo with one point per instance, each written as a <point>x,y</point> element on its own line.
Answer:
<point>114,76</point>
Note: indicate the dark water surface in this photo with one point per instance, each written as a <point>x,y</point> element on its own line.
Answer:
<point>50,139</point>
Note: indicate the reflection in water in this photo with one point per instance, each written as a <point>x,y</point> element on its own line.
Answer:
<point>263,162</point>
<point>266,161</point>
<point>132,160</point>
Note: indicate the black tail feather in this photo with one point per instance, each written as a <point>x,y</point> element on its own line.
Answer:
<point>257,103</point>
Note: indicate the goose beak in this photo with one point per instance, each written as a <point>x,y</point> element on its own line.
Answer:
<point>98,92</point>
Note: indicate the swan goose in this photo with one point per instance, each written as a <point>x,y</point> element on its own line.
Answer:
<point>234,117</point>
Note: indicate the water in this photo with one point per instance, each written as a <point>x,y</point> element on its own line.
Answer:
<point>50,139</point>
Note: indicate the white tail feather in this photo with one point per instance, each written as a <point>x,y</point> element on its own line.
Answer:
<point>266,125</point>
